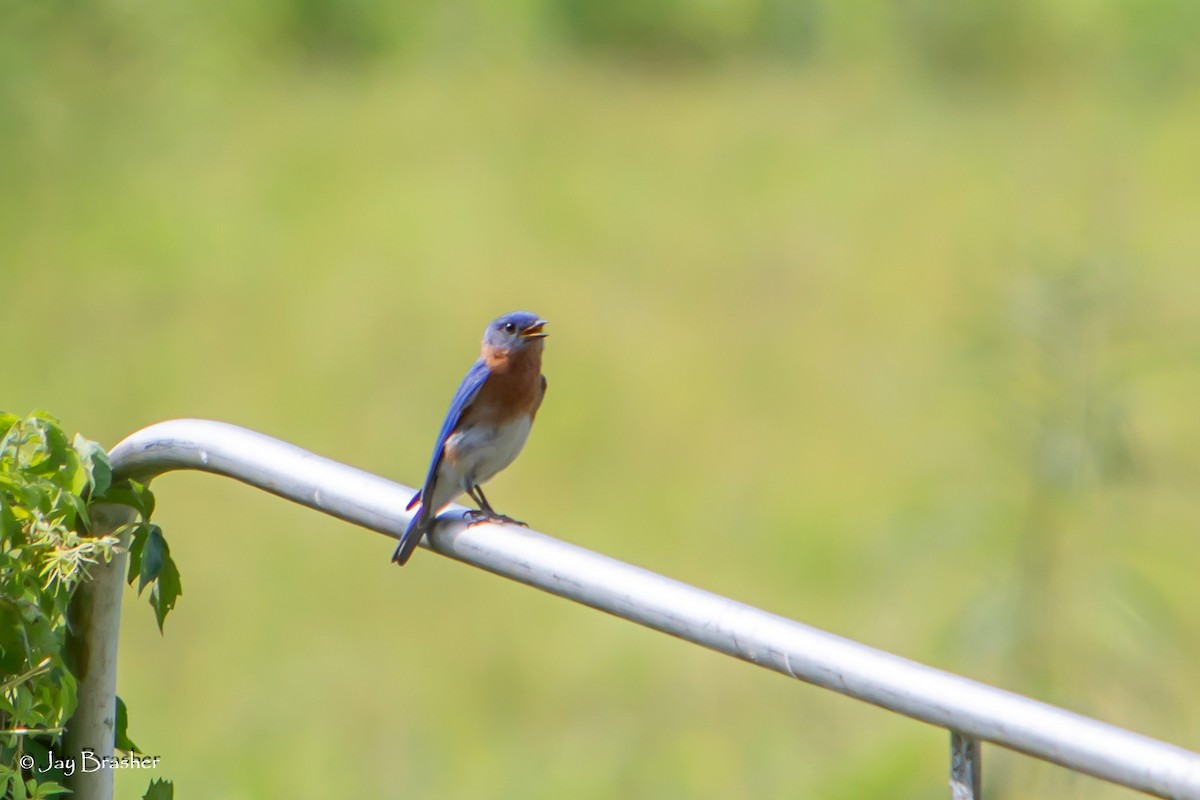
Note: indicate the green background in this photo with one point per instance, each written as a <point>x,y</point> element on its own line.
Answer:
<point>878,316</point>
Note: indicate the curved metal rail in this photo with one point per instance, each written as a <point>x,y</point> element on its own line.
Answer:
<point>970,710</point>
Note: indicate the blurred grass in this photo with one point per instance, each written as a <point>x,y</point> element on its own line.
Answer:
<point>904,351</point>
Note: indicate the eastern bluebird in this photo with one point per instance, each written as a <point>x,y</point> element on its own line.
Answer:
<point>487,424</point>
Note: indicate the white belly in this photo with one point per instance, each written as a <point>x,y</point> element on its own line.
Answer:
<point>480,452</point>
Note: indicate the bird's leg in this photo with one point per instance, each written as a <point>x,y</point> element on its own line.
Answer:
<point>476,494</point>
<point>481,514</point>
<point>486,513</point>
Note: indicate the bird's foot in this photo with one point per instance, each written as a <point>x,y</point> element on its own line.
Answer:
<point>479,516</point>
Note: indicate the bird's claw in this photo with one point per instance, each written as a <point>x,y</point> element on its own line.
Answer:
<point>478,516</point>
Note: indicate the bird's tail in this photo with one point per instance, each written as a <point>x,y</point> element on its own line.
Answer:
<point>412,536</point>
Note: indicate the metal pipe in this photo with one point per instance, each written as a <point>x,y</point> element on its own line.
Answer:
<point>95,616</point>
<point>802,652</point>
<point>966,775</point>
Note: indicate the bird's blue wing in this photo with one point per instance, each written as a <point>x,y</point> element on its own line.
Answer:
<point>467,391</point>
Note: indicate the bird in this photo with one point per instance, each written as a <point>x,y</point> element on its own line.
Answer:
<point>487,425</point>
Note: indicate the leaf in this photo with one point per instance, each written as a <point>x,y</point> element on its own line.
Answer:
<point>137,542</point>
<point>76,504</point>
<point>154,552</point>
<point>22,702</point>
<point>128,493</point>
<point>101,471</point>
<point>68,691</point>
<point>166,590</point>
<point>67,468</point>
<point>8,524</point>
<point>121,739</point>
<point>42,415</point>
<point>39,748</point>
<point>160,789</point>
<point>29,443</point>
<point>49,789</point>
<point>95,462</point>
<point>118,493</point>
<point>75,474</point>
<point>145,499</point>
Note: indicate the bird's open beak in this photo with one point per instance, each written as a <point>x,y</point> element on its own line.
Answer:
<point>535,331</point>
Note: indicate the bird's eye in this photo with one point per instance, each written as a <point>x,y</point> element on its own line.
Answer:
<point>510,328</point>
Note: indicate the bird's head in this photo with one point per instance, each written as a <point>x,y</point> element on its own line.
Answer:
<point>514,332</point>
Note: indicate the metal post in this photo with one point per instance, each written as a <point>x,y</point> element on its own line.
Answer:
<point>965,767</point>
<point>95,621</point>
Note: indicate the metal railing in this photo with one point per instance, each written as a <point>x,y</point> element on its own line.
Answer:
<point>973,712</point>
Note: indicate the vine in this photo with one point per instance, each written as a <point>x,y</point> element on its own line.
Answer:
<point>47,482</point>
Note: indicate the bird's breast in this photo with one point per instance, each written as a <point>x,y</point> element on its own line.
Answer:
<point>477,452</point>
<point>513,389</point>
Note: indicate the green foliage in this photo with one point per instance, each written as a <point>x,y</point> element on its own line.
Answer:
<point>46,484</point>
<point>687,31</point>
<point>121,738</point>
<point>150,562</point>
<point>972,40</point>
<point>159,790</point>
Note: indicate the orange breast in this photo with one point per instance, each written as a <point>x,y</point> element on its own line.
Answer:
<point>514,388</point>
